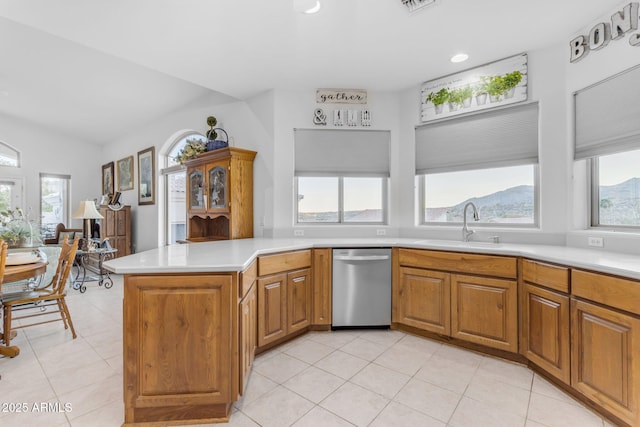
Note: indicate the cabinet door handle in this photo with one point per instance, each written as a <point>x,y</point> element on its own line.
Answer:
<point>299,279</point>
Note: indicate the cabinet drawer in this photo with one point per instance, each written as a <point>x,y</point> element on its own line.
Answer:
<point>615,292</point>
<point>547,275</point>
<point>486,265</point>
<point>247,278</point>
<point>271,264</point>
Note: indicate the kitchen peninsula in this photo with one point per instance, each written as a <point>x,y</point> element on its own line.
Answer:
<point>195,314</point>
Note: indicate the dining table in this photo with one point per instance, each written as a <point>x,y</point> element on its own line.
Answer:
<point>14,273</point>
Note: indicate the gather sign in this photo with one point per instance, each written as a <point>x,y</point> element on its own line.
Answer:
<point>341,96</point>
<point>622,22</point>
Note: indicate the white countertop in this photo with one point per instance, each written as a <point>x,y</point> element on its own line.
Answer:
<point>236,255</point>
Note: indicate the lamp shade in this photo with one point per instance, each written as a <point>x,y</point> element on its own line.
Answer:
<point>87,210</point>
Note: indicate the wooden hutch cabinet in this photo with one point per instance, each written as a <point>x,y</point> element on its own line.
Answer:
<point>116,226</point>
<point>220,195</point>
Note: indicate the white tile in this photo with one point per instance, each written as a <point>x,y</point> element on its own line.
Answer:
<point>309,351</point>
<point>277,408</point>
<point>380,380</point>
<point>447,373</point>
<point>72,378</point>
<point>314,384</point>
<point>335,339</point>
<point>507,397</point>
<point>425,346</point>
<point>385,337</point>
<point>396,414</point>
<point>471,413</point>
<point>238,419</point>
<point>257,386</point>
<point>459,355</point>
<point>506,372</point>
<point>37,413</point>
<point>319,417</point>
<point>281,367</point>
<point>402,359</point>
<point>355,404</point>
<point>555,413</point>
<point>429,399</point>
<point>89,398</point>
<point>341,364</point>
<point>542,386</point>
<point>364,349</point>
<point>107,415</point>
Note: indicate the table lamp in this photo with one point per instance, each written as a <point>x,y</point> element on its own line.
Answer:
<point>87,211</point>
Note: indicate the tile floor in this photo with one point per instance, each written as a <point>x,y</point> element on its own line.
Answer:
<point>361,378</point>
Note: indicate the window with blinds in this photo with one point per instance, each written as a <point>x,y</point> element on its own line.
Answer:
<point>607,132</point>
<point>341,176</point>
<point>488,158</point>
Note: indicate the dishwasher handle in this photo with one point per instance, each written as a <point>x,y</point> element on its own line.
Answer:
<point>361,257</point>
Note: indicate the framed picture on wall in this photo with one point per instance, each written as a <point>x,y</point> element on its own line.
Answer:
<point>107,178</point>
<point>146,177</point>
<point>125,173</point>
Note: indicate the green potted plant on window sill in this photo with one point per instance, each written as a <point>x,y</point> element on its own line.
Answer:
<point>438,99</point>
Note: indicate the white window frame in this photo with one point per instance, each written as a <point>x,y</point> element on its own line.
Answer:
<point>536,206</point>
<point>593,179</point>
<point>341,221</point>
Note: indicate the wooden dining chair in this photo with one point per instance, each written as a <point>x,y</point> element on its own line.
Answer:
<point>37,301</point>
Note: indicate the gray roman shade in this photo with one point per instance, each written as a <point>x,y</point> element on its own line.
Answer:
<point>500,137</point>
<point>607,116</point>
<point>341,152</point>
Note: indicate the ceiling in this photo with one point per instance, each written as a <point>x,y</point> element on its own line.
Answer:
<point>97,70</point>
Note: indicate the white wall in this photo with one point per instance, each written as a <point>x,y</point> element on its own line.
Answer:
<point>49,151</point>
<point>245,130</point>
<point>598,65</point>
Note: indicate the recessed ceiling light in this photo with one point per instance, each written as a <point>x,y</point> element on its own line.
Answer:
<point>460,57</point>
<point>306,6</point>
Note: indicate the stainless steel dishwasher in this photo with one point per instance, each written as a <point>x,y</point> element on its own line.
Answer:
<point>361,288</point>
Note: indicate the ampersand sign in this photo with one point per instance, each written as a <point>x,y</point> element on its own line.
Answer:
<point>320,118</point>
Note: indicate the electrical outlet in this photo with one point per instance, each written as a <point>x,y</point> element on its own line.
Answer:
<point>381,232</point>
<point>596,241</point>
<point>298,232</point>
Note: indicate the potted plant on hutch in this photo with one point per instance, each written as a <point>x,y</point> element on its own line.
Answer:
<point>495,88</point>
<point>438,99</point>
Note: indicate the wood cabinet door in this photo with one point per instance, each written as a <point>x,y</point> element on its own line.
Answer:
<point>298,300</point>
<point>545,330</point>
<point>218,190</point>
<point>179,351</point>
<point>248,334</point>
<point>605,358</point>
<point>423,300</point>
<point>196,193</point>
<point>485,311</point>
<point>122,221</point>
<point>321,285</point>
<point>272,308</point>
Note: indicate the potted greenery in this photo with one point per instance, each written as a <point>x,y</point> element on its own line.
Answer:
<point>15,228</point>
<point>192,148</point>
<point>480,90</point>
<point>495,88</point>
<point>438,99</point>
<point>455,99</point>
<point>511,80</point>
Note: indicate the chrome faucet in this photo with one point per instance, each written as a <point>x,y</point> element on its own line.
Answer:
<point>466,232</point>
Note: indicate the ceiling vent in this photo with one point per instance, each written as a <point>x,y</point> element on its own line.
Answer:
<point>415,5</point>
